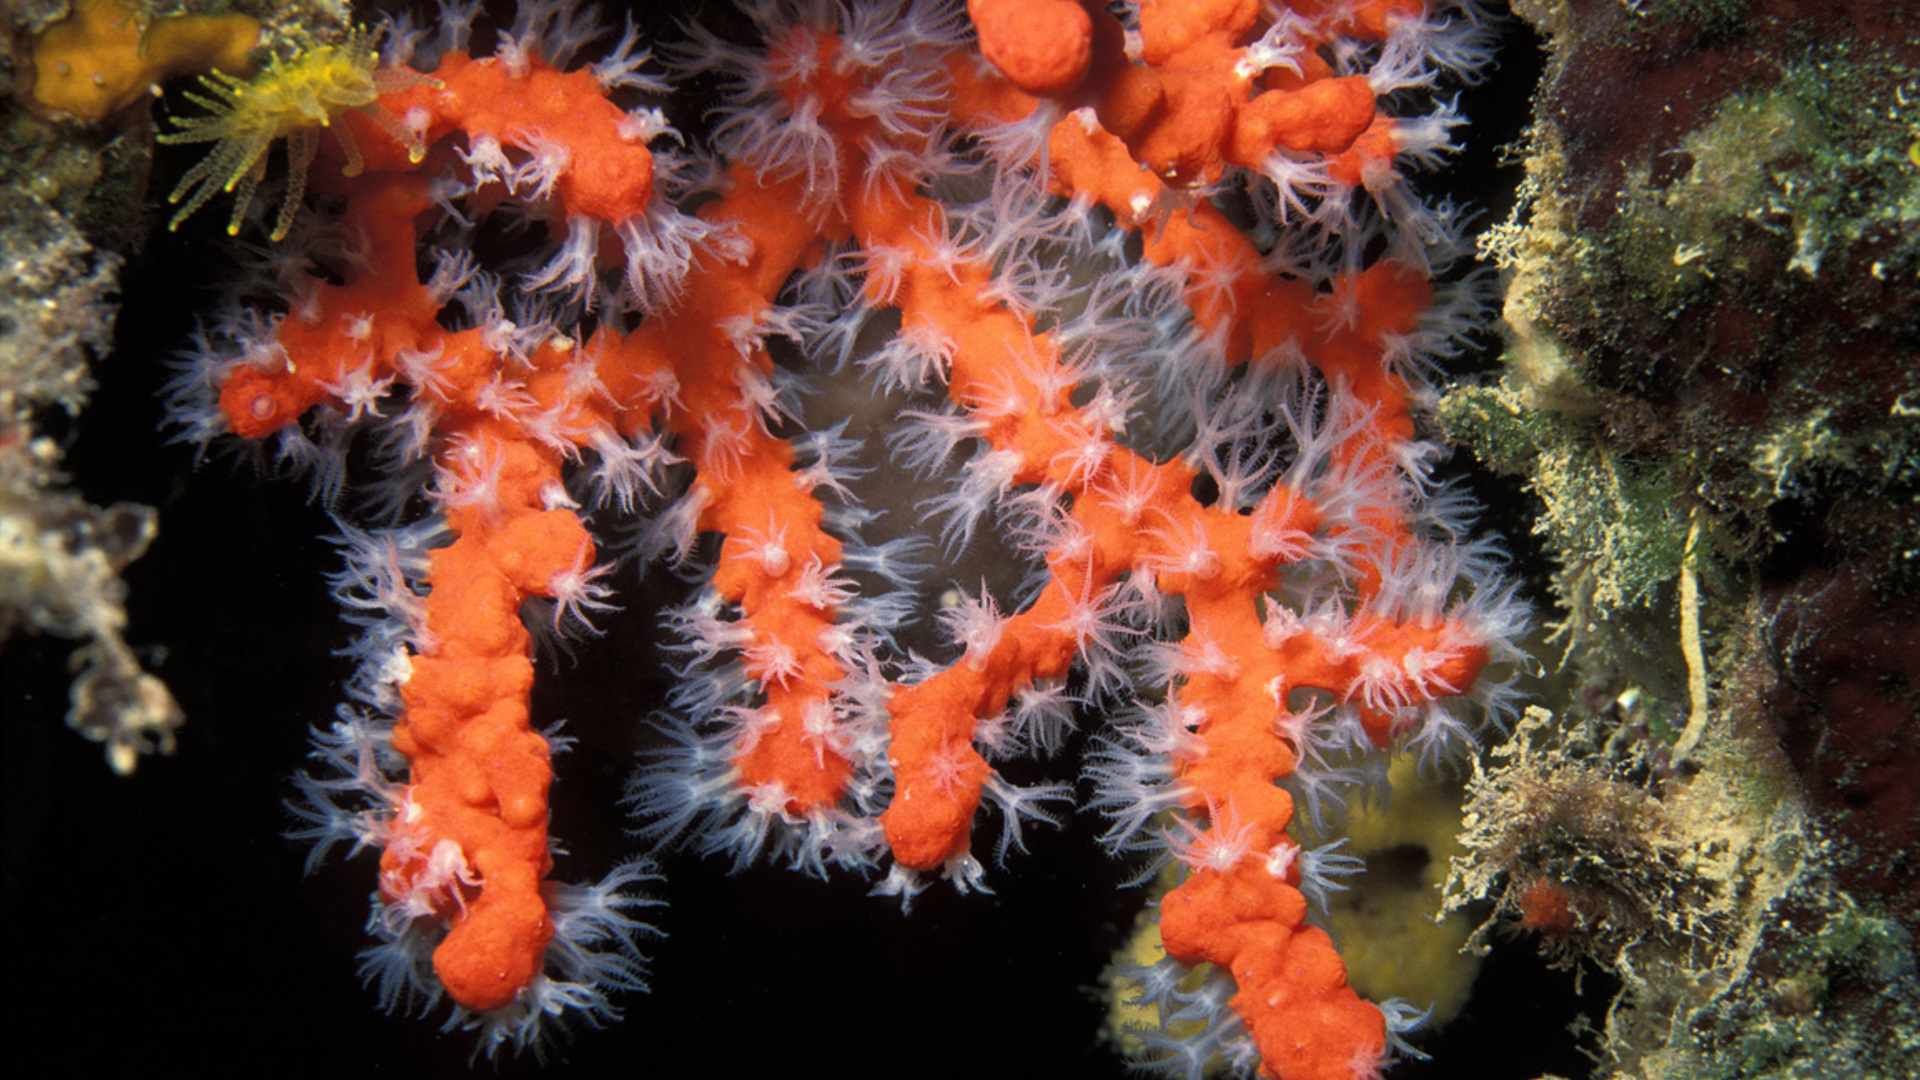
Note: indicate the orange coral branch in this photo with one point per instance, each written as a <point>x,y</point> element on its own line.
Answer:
<point>1162,290</point>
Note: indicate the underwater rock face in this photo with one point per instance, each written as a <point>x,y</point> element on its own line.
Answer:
<point>1713,386</point>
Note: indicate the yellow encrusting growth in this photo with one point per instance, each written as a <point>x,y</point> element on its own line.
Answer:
<point>291,100</point>
<point>106,55</point>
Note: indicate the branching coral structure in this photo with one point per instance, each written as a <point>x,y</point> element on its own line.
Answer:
<point>1161,322</point>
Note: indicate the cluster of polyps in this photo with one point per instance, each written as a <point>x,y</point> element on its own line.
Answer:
<point>1157,321</point>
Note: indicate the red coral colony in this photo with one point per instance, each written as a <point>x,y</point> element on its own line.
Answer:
<point>1149,301</point>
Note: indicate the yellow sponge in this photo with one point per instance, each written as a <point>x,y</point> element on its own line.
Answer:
<point>107,54</point>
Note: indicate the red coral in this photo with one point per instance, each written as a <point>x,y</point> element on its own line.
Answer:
<point>1211,469</point>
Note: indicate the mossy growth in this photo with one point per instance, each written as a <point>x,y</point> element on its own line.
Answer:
<point>1705,18</point>
<point>1720,331</point>
<point>1839,997</point>
<point>1618,528</point>
<point>1739,954</point>
<point>1813,160</point>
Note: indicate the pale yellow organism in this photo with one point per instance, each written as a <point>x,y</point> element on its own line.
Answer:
<point>291,100</point>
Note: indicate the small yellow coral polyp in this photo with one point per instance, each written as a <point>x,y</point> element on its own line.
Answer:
<point>292,100</point>
<point>106,55</point>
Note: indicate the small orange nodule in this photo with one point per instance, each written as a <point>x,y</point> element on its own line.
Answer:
<point>1545,908</point>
